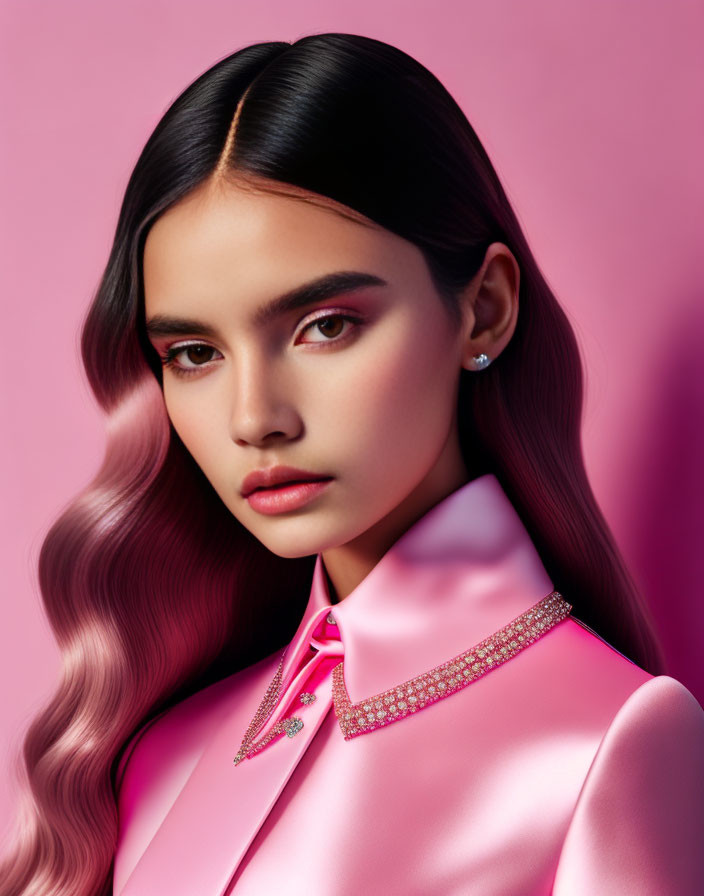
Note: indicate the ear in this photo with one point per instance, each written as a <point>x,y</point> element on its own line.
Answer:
<point>490,307</point>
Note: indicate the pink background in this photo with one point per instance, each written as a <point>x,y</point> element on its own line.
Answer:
<point>592,115</point>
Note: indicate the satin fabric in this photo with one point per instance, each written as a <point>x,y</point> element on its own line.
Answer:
<point>567,770</point>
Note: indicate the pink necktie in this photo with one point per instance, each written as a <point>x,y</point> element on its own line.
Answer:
<point>311,660</point>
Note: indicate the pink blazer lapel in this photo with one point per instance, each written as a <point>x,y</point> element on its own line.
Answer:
<point>217,814</point>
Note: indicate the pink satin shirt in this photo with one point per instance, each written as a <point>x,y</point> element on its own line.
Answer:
<point>400,746</point>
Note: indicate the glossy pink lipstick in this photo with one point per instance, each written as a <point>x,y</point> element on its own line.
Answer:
<point>278,489</point>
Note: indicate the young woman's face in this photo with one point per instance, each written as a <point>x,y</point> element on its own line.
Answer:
<point>359,385</point>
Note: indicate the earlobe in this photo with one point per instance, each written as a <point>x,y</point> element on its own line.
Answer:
<point>492,299</point>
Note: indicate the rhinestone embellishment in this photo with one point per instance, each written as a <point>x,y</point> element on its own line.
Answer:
<point>416,693</point>
<point>266,707</point>
<point>331,619</point>
<point>447,678</point>
<point>481,361</point>
<point>290,727</point>
<point>293,726</point>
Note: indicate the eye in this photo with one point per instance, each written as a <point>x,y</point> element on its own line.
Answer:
<point>197,353</point>
<point>331,325</point>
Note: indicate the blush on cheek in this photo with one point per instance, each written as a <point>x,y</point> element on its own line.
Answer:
<point>397,396</point>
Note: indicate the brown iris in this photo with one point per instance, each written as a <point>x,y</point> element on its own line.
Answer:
<point>197,353</point>
<point>326,323</point>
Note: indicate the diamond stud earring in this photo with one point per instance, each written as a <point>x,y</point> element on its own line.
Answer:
<point>481,361</point>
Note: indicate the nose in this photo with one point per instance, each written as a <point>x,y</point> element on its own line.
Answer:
<point>260,409</point>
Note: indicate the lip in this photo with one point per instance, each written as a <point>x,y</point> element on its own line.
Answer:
<point>271,477</point>
<point>288,496</point>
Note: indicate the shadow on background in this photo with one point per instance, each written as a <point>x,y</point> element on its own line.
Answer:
<point>666,528</point>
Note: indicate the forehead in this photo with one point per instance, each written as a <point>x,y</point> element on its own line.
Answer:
<point>225,241</point>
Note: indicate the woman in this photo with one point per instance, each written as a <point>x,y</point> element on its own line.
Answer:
<point>423,668</point>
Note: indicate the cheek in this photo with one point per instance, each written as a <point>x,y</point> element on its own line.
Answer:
<point>397,403</point>
<point>194,420</point>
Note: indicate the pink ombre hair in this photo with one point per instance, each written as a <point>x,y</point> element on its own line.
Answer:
<point>152,588</point>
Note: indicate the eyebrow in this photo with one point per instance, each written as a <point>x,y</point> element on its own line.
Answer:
<point>317,290</point>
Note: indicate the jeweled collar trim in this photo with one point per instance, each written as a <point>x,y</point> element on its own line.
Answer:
<point>447,678</point>
<point>416,693</point>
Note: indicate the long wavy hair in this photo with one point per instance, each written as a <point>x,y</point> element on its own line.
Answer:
<point>152,588</point>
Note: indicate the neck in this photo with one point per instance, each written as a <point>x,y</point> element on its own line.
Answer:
<point>346,565</point>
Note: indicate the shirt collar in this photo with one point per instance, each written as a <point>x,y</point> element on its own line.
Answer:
<point>463,570</point>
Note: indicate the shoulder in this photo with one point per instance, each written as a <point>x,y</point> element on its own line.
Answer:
<point>162,754</point>
<point>658,732</point>
<point>574,679</point>
<point>593,670</point>
<point>639,819</point>
<point>589,645</point>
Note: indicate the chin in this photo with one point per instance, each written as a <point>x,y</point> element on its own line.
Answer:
<point>289,553</point>
<point>291,548</point>
<point>301,543</point>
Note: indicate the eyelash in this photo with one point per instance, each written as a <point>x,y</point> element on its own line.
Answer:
<point>168,359</point>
